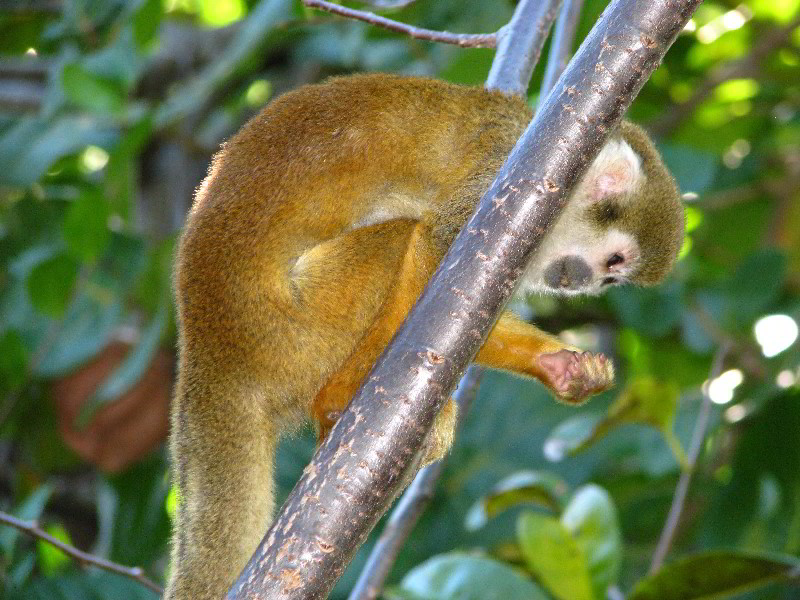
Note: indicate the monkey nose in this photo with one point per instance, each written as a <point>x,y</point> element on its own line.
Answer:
<point>568,272</point>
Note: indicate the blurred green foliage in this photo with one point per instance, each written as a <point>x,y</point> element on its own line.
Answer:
<point>109,112</point>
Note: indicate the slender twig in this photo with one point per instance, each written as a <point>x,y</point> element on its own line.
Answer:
<point>561,44</point>
<point>464,40</point>
<point>411,506</point>
<point>82,558</point>
<point>748,65</point>
<point>695,445</point>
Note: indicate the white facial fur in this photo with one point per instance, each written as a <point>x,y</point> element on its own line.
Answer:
<point>617,171</point>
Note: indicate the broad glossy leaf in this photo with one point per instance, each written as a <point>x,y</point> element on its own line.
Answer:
<point>715,575</point>
<point>648,401</point>
<point>755,284</point>
<point>91,92</point>
<point>591,519</point>
<point>86,328</point>
<point>29,148</point>
<point>652,311</point>
<point>572,435</point>
<point>463,577</point>
<point>13,360</point>
<point>49,558</point>
<point>130,371</point>
<point>693,169</point>
<point>554,556</point>
<point>524,487</point>
<point>86,226</point>
<point>50,284</point>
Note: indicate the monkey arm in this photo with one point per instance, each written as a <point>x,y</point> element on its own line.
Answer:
<point>569,373</point>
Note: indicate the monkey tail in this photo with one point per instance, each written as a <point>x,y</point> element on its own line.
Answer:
<point>223,463</point>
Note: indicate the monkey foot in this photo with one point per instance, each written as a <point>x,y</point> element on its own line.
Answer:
<point>574,376</point>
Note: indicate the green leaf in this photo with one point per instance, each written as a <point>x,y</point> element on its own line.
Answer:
<point>693,169</point>
<point>756,284</point>
<point>648,401</point>
<point>572,435</point>
<point>126,375</point>
<point>554,556</point>
<point>644,401</point>
<point>146,19</point>
<point>524,487</point>
<point>652,311</point>
<point>50,284</point>
<point>715,575</point>
<point>86,226</point>
<point>29,148</point>
<point>451,576</point>
<point>51,559</point>
<point>13,360</point>
<point>592,519</point>
<point>91,92</point>
<point>85,330</point>
<point>579,555</point>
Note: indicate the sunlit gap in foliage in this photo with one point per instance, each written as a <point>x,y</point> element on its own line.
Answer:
<point>210,12</point>
<point>734,155</point>
<point>694,217</point>
<point>93,159</point>
<point>735,413</point>
<point>257,93</point>
<point>720,389</point>
<point>785,379</point>
<point>733,19</point>
<point>775,333</point>
<point>31,52</point>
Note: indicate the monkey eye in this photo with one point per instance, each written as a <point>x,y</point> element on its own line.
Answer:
<point>609,280</point>
<point>615,260</point>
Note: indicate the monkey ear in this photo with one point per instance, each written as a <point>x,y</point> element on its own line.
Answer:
<point>617,171</point>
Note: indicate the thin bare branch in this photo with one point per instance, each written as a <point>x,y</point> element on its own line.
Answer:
<point>82,558</point>
<point>464,40</point>
<point>748,65</point>
<point>561,44</point>
<point>520,45</point>
<point>365,460</point>
<point>695,445</point>
<point>411,506</point>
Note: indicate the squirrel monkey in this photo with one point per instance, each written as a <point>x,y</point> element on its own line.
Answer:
<point>309,241</point>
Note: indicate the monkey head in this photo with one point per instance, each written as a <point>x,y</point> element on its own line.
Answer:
<point>623,224</point>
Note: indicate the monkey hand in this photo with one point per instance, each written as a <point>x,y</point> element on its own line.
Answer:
<point>573,376</point>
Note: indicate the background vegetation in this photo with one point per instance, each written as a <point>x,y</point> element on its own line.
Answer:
<point>109,113</point>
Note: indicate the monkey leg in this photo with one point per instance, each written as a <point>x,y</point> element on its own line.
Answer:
<point>410,277</point>
<point>572,375</point>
